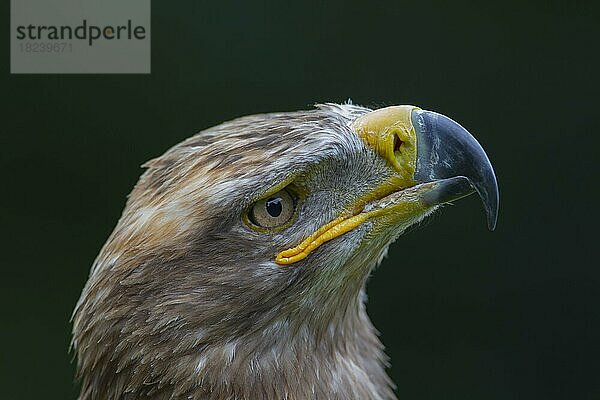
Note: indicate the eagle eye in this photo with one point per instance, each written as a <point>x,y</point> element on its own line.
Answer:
<point>273,211</point>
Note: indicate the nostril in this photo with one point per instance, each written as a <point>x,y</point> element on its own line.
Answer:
<point>397,144</point>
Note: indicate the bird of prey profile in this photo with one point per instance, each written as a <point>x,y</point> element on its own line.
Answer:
<point>237,270</point>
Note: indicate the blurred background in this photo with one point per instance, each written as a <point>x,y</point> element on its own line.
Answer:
<point>464,313</point>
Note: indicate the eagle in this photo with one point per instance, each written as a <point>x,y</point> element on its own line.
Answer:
<point>237,270</point>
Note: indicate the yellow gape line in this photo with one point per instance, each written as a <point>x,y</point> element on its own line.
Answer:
<point>338,227</point>
<point>329,231</point>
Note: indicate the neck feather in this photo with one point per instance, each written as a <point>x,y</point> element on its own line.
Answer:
<point>342,359</point>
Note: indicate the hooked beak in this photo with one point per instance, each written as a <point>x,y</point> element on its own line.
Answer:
<point>427,147</point>
<point>450,156</point>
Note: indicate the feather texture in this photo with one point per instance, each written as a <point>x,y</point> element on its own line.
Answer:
<point>184,301</point>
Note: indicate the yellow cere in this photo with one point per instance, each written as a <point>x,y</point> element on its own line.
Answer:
<point>383,130</point>
<point>388,131</point>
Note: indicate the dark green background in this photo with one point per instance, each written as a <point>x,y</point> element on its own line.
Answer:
<point>464,313</point>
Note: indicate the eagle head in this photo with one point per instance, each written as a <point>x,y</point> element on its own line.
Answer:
<point>238,267</point>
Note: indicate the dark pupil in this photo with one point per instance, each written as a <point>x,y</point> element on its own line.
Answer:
<point>274,207</point>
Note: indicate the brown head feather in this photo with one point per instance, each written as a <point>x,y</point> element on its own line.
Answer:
<point>185,301</point>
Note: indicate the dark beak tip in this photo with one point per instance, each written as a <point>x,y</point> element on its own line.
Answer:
<point>487,190</point>
<point>491,210</point>
<point>492,220</point>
